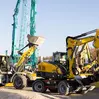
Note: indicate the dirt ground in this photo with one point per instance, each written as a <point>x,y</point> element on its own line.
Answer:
<point>27,93</point>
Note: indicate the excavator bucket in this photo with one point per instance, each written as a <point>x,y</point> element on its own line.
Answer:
<point>37,40</point>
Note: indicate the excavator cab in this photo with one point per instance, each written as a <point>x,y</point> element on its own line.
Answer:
<point>4,63</point>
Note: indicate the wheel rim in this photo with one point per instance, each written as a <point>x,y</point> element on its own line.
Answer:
<point>62,88</point>
<point>18,82</point>
<point>38,86</point>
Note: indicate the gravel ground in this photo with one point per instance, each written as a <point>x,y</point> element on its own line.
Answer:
<point>27,93</point>
<point>8,95</point>
<point>11,93</point>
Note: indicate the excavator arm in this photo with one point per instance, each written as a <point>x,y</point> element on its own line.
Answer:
<point>72,42</point>
<point>34,41</point>
<point>24,58</point>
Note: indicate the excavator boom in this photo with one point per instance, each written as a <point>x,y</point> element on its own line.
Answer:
<point>33,42</point>
<point>72,42</point>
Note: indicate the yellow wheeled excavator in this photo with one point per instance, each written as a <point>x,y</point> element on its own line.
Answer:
<point>66,78</point>
<point>20,74</point>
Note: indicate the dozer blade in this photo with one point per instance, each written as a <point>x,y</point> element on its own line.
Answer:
<point>37,40</point>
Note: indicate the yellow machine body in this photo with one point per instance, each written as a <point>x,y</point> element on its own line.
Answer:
<point>49,68</point>
<point>66,77</point>
<point>71,43</point>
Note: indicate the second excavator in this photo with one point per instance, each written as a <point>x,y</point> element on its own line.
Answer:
<point>66,78</point>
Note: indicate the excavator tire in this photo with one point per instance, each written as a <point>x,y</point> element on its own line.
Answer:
<point>39,86</point>
<point>20,81</point>
<point>63,88</point>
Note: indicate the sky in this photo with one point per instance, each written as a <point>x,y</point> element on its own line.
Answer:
<point>55,20</point>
